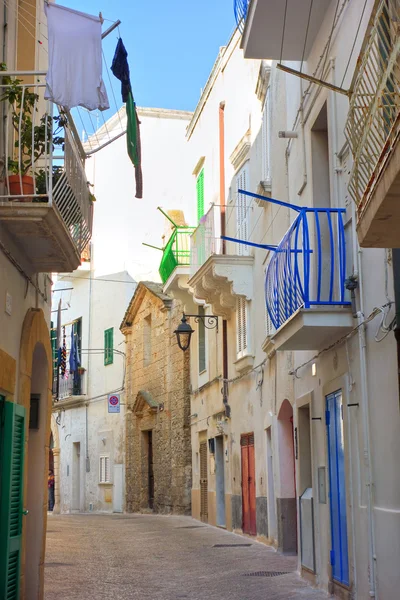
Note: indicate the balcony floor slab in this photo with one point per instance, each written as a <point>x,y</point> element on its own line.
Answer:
<point>39,231</point>
<point>313,328</point>
<point>379,221</point>
<point>221,279</point>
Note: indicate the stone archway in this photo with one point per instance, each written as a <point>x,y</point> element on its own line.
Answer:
<point>57,473</point>
<point>286,497</point>
<point>35,376</point>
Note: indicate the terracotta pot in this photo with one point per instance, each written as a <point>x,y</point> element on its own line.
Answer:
<point>27,187</point>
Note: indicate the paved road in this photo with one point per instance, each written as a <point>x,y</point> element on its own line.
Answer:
<point>152,557</point>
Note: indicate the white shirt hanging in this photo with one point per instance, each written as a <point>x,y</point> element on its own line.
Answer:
<point>74,76</point>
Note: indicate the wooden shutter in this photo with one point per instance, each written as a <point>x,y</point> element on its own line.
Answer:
<point>200,195</point>
<point>12,437</point>
<point>108,346</point>
<point>242,210</point>
<point>203,482</point>
<point>202,342</point>
<point>266,139</point>
<point>104,469</point>
<point>241,325</point>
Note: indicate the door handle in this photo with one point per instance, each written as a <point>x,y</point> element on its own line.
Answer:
<point>25,512</point>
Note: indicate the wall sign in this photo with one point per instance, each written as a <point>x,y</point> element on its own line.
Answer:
<point>113,403</point>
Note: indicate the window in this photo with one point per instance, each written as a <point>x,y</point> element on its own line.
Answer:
<point>266,139</point>
<point>242,209</point>
<point>242,326</point>
<point>34,412</point>
<point>109,346</point>
<point>200,195</point>
<point>147,341</point>
<point>104,469</point>
<point>202,341</point>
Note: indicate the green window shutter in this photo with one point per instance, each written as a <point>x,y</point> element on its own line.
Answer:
<point>200,195</point>
<point>202,341</point>
<point>12,438</point>
<point>108,346</point>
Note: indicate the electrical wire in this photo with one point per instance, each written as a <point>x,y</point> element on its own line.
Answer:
<point>334,23</point>
<point>93,279</point>
<point>305,41</point>
<point>284,27</point>
<point>354,43</point>
<point>371,316</point>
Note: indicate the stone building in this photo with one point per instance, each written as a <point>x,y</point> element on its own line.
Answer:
<point>158,448</point>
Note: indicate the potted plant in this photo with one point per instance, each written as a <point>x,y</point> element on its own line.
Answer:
<point>32,141</point>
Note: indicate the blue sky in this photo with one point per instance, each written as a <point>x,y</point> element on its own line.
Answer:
<point>172,45</point>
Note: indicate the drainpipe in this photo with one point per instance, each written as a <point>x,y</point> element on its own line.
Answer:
<point>396,284</point>
<point>223,249</point>
<point>366,434</point>
<point>222,170</point>
<point>91,272</point>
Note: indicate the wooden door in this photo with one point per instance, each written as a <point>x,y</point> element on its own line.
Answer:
<point>337,488</point>
<point>248,484</point>
<point>150,469</point>
<point>203,482</point>
<point>12,437</point>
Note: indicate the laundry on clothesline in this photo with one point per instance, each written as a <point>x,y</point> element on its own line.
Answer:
<point>120,69</point>
<point>74,76</point>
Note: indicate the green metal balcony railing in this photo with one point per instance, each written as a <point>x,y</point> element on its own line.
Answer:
<point>373,124</point>
<point>176,253</point>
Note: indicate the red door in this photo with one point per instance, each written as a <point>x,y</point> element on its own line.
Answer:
<point>248,484</point>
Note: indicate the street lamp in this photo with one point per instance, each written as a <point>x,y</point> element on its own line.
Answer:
<point>184,331</point>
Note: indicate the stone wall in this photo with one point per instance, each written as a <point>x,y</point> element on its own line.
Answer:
<point>158,400</point>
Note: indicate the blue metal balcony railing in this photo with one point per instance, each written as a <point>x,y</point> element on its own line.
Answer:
<point>308,267</point>
<point>240,7</point>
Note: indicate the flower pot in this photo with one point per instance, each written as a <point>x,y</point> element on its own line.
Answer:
<point>27,187</point>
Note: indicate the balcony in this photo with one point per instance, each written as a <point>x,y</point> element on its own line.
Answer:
<point>373,131</point>
<point>175,263</point>
<point>45,205</point>
<point>305,282</point>
<point>267,22</point>
<point>240,7</point>
<point>217,278</point>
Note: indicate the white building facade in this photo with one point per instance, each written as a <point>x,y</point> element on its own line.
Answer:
<point>295,398</point>
<point>89,438</point>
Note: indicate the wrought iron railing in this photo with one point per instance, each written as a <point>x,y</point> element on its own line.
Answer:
<point>206,239</point>
<point>373,124</point>
<point>240,8</point>
<point>176,252</point>
<point>70,385</point>
<point>43,160</point>
<point>308,267</point>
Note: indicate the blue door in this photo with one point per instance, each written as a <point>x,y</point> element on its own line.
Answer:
<point>337,488</point>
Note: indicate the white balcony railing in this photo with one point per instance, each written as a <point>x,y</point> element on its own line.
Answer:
<point>42,156</point>
<point>206,239</point>
<point>373,123</point>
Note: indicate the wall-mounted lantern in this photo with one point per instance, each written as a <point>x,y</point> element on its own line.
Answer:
<point>184,331</point>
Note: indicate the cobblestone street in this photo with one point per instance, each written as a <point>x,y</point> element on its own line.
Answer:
<point>152,557</point>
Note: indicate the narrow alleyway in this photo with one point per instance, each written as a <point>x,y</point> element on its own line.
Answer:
<point>91,557</point>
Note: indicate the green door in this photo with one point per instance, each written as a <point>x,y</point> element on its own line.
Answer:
<point>12,434</point>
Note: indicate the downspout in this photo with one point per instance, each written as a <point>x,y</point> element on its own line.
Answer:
<point>89,356</point>
<point>222,170</point>
<point>396,284</point>
<point>222,201</point>
<point>366,434</point>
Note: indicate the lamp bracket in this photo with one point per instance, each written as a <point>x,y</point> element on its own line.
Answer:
<point>209,321</point>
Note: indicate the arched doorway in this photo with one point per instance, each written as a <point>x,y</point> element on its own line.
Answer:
<point>35,394</point>
<point>36,494</point>
<point>286,496</point>
<point>54,463</point>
